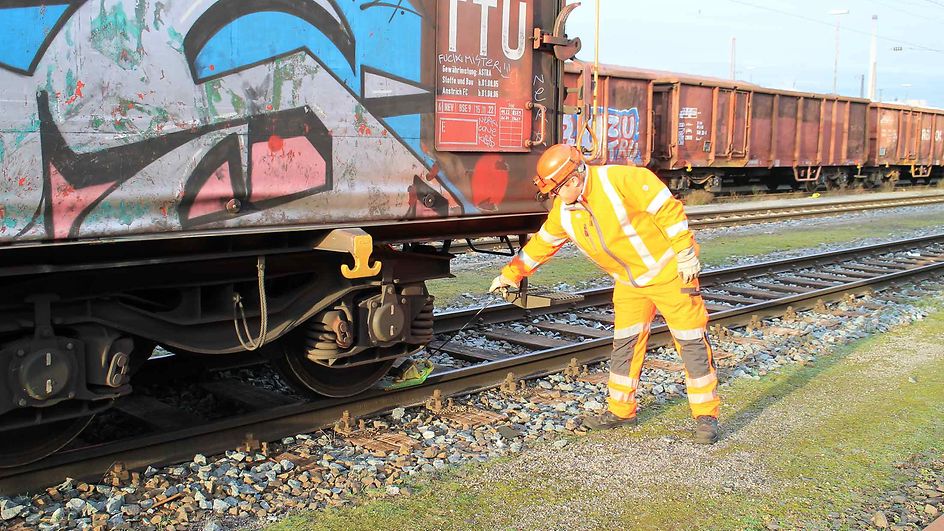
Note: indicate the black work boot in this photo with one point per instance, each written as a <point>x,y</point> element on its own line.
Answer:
<point>706,430</point>
<point>607,420</point>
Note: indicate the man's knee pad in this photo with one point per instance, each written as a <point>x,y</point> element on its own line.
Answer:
<point>694,353</point>
<point>623,349</point>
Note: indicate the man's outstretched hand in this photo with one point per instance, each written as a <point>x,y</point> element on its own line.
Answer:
<point>502,285</point>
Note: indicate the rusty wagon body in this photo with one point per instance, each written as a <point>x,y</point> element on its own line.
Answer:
<point>704,131</point>
<point>905,141</point>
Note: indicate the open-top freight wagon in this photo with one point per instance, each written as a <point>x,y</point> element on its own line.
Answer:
<point>905,141</point>
<point>703,132</point>
<point>221,176</point>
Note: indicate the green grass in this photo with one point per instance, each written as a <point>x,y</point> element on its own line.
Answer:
<point>717,251</point>
<point>827,435</point>
<point>714,252</point>
<point>458,509</point>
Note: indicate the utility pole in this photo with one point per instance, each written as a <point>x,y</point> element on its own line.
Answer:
<point>733,52</point>
<point>862,86</point>
<point>837,13</point>
<point>873,57</point>
<point>836,62</point>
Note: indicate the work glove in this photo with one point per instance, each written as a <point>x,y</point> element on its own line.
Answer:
<point>688,265</point>
<point>503,285</point>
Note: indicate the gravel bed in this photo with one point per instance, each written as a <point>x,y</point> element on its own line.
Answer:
<point>439,359</point>
<point>471,339</point>
<point>241,490</point>
<point>110,425</point>
<point>186,394</point>
<point>263,376</point>
<point>194,400</point>
<point>484,262</point>
<point>913,505</point>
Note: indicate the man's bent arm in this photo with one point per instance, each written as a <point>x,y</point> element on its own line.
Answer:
<point>539,249</point>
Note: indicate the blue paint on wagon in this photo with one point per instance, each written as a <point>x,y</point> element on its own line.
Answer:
<point>23,30</point>
<point>387,38</point>
<point>393,46</point>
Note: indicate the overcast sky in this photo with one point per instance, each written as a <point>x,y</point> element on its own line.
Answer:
<point>785,44</point>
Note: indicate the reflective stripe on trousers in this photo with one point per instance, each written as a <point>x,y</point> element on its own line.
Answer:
<point>629,345</point>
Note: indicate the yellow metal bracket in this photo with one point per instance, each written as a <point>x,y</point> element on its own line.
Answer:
<point>354,241</point>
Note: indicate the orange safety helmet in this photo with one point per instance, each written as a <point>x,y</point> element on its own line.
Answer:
<point>556,164</point>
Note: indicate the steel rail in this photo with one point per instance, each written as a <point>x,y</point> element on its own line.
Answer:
<point>451,321</point>
<point>165,448</point>
<point>785,212</point>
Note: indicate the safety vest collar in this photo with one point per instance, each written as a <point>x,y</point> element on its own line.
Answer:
<point>587,185</point>
<point>576,205</point>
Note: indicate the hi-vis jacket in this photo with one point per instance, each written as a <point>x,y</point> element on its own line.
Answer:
<point>626,221</point>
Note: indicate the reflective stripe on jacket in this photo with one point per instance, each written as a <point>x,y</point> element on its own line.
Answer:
<point>626,221</point>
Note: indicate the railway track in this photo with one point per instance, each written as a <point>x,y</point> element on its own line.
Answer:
<point>734,214</point>
<point>752,212</point>
<point>735,296</point>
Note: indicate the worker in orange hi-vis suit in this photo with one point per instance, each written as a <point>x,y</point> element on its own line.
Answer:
<point>627,222</point>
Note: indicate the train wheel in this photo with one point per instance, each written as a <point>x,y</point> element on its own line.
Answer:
<point>840,181</point>
<point>874,180</point>
<point>26,445</point>
<point>310,377</point>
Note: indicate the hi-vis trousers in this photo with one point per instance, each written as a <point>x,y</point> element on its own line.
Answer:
<point>687,318</point>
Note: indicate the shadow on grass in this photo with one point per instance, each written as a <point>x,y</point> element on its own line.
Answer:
<point>788,379</point>
<point>785,385</point>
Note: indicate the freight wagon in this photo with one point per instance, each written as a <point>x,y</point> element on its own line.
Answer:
<point>905,142</point>
<point>222,176</point>
<point>703,132</point>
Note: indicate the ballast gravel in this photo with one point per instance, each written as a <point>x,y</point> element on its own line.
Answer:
<point>913,505</point>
